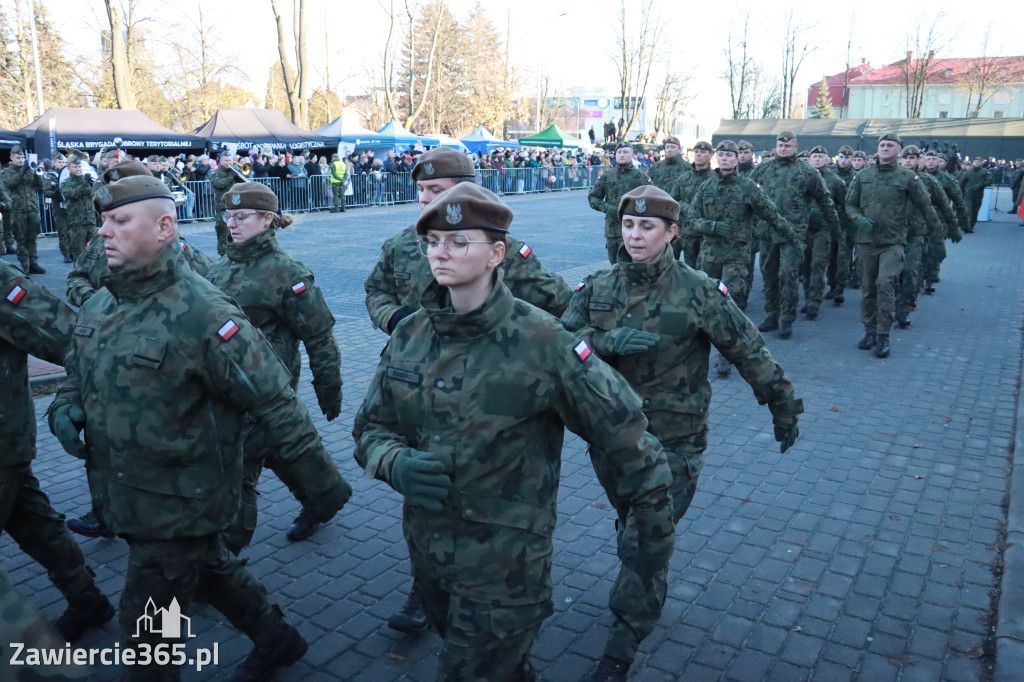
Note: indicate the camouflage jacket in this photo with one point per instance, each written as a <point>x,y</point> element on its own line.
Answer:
<point>940,202</point>
<point>745,168</point>
<point>974,180</point>
<point>608,189</point>
<point>22,183</point>
<point>489,393</point>
<point>738,201</point>
<point>77,192</point>
<point>837,189</point>
<point>34,321</point>
<point>5,199</point>
<point>687,185</point>
<point>846,175</point>
<point>889,196</point>
<point>666,172</point>
<point>794,187</point>
<point>51,190</point>
<point>952,189</point>
<point>278,295</point>
<point>221,180</point>
<point>403,272</point>
<point>86,277</point>
<point>690,312</point>
<point>165,367</point>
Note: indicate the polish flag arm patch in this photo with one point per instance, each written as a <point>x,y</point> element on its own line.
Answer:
<point>582,350</point>
<point>298,287</point>
<point>721,287</point>
<point>580,285</point>
<point>16,294</point>
<point>227,330</point>
<point>525,251</point>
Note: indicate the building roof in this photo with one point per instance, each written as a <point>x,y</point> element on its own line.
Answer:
<point>836,83</point>
<point>950,70</point>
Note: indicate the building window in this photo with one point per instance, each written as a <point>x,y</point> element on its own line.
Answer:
<point>949,73</point>
<point>997,114</point>
<point>885,99</point>
<point>943,114</point>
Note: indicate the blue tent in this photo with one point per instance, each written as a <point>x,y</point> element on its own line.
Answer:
<point>402,138</point>
<point>480,141</point>
<point>353,137</point>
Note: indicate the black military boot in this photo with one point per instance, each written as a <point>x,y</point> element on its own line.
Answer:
<point>868,342</point>
<point>803,311</point>
<point>35,269</point>
<point>830,294</point>
<point>839,298</point>
<point>812,313</point>
<point>785,329</point>
<point>903,321</point>
<point>929,286</point>
<point>287,647</point>
<point>88,610</point>
<point>410,619</point>
<point>882,346</point>
<point>305,524</point>
<point>610,669</point>
<point>90,525</point>
<point>771,323</point>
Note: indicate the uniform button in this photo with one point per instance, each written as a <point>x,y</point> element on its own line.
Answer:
<point>224,351</point>
<point>545,530</point>
<point>440,383</point>
<point>120,475</point>
<point>199,491</point>
<point>629,315</point>
<point>436,536</point>
<point>103,346</point>
<point>468,513</point>
<point>93,396</point>
<point>437,439</point>
<point>647,402</point>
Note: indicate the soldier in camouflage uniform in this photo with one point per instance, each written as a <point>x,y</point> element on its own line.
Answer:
<point>744,168</point>
<point>402,273</point>
<point>878,203</point>
<point>222,180</point>
<point>161,350</point>
<point>22,182</point>
<point>81,217</point>
<point>5,230</point>
<point>51,191</point>
<point>666,172</point>
<point>919,239</point>
<point>465,418</point>
<point>654,320</point>
<point>973,182</point>
<point>608,189</point>
<point>683,192</point>
<point>841,257</point>
<point>794,188</point>
<point>935,165</point>
<point>821,237</point>
<point>278,295</point>
<point>34,321</point>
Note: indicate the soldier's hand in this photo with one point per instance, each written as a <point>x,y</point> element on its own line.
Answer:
<point>656,540</point>
<point>421,478</point>
<point>956,236</point>
<point>329,397</point>
<point>723,230</point>
<point>817,216</point>
<point>66,422</point>
<point>623,341</point>
<point>865,223</point>
<point>786,433</point>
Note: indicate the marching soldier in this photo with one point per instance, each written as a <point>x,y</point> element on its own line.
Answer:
<point>666,172</point>
<point>972,184</point>
<point>81,216</point>
<point>51,190</point>
<point>935,164</point>
<point>608,189</point>
<point>820,240</point>
<point>841,257</point>
<point>22,182</point>
<point>683,192</point>
<point>746,156</point>
<point>221,181</point>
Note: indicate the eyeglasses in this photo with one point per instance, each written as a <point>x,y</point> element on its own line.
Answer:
<point>456,246</point>
<point>239,218</point>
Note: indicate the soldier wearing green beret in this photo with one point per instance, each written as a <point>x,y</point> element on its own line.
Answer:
<point>280,297</point>
<point>654,320</point>
<point>222,180</point>
<point>821,237</point>
<point>879,202</point>
<point>973,182</point>
<point>162,371</point>
<point>935,165</point>
<point>21,182</point>
<point>745,151</point>
<point>683,191</point>
<point>6,234</point>
<point>480,488</point>
<point>81,216</point>
<point>55,202</point>
<point>666,172</point>
<point>608,189</point>
<point>841,257</point>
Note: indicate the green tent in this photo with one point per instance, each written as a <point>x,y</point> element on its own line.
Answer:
<point>552,136</point>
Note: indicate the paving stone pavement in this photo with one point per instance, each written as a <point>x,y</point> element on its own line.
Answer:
<point>863,553</point>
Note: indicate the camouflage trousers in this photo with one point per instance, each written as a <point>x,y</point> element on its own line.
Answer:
<point>754,248</point>
<point>8,232</point>
<point>733,275</point>
<point>612,244</point>
<point>974,200</point>
<point>909,283</point>
<point>482,642</point>
<point>934,254</point>
<point>817,247</point>
<point>880,268</point>
<point>29,518</point>
<point>60,223</point>
<point>77,237</point>
<point>838,273</point>
<point>338,194</point>
<point>26,229</point>
<point>165,570</point>
<point>635,604</point>
<point>690,250</point>
<point>780,270</point>
<point>221,229</point>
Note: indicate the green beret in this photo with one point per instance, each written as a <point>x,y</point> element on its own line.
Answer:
<point>672,140</point>
<point>128,191</point>
<point>727,146</point>
<point>647,201</point>
<point>820,149</point>
<point>112,154</point>
<point>623,145</point>
<point>910,150</point>
<point>443,162</point>
<point>254,195</point>
<point>466,206</point>
<point>893,137</point>
<point>16,149</point>
<point>860,154</point>
<point>703,145</point>
<point>743,145</point>
<point>846,149</point>
<point>786,136</point>
<point>932,152</point>
<point>75,161</point>
<point>59,157</point>
<point>803,154</point>
<point>125,169</point>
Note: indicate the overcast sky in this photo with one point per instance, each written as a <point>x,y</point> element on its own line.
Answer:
<point>571,39</point>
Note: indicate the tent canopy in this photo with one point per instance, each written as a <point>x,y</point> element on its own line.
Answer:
<point>453,142</point>
<point>249,128</point>
<point>346,129</point>
<point>481,141</point>
<point>9,138</point>
<point>995,137</point>
<point>91,129</point>
<point>401,138</point>
<point>552,136</point>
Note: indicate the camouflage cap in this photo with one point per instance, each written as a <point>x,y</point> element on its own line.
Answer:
<point>254,195</point>
<point>125,169</point>
<point>819,149</point>
<point>647,201</point>
<point>859,154</point>
<point>16,149</point>
<point>673,140</point>
<point>442,162</point>
<point>846,150</point>
<point>910,150</point>
<point>786,136</point>
<point>893,137</point>
<point>706,146</point>
<point>623,145</point>
<point>727,146</point>
<point>466,206</point>
<point>129,191</point>
<point>743,145</point>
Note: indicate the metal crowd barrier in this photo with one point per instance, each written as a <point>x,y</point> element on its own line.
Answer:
<point>301,195</point>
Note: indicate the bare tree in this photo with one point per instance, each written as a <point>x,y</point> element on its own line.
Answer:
<point>119,58</point>
<point>634,56</point>
<point>922,39</point>
<point>844,105</point>
<point>796,45</point>
<point>739,69</point>
<point>295,86</point>
<point>987,75</point>
<point>420,69</point>
<point>673,96</point>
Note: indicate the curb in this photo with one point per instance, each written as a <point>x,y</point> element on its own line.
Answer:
<point>45,384</point>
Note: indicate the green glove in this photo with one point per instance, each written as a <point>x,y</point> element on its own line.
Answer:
<point>864,223</point>
<point>66,421</point>
<point>723,230</point>
<point>623,341</point>
<point>817,216</point>
<point>656,539</point>
<point>329,397</point>
<point>955,236</point>
<point>786,433</point>
<point>421,478</point>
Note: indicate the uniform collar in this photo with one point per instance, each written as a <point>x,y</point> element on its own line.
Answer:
<point>725,177</point>
<point>167,268</point>
<point>644,273</point>
<point>254,248</point>
<point>446,321</point>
